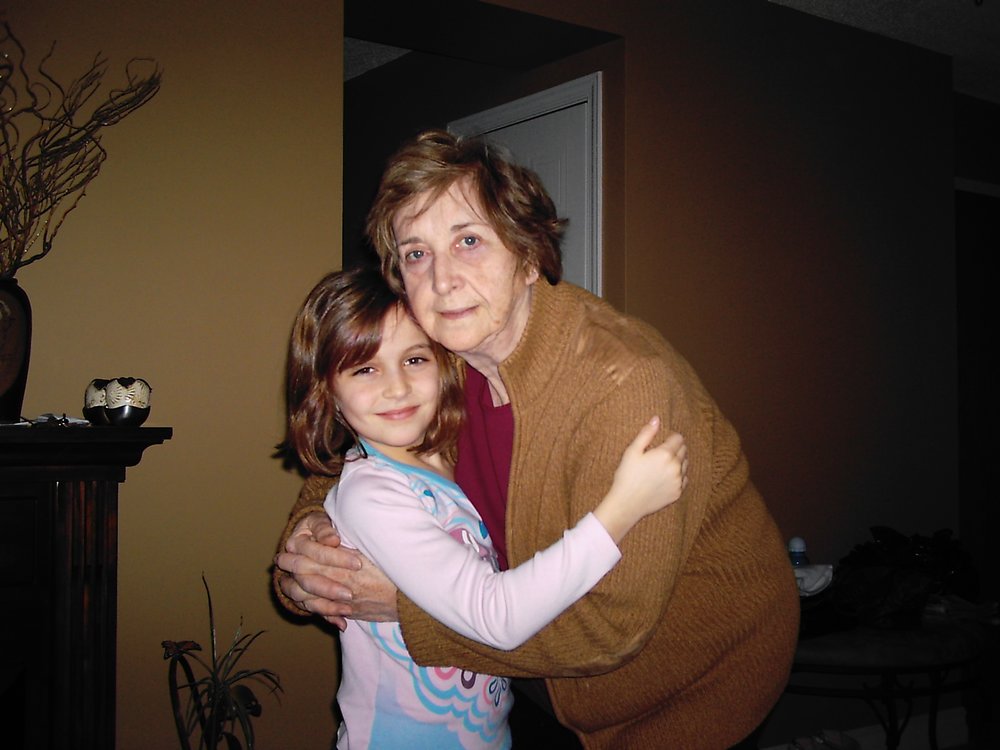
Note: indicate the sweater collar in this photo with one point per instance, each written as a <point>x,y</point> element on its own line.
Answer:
<point>529,368</point>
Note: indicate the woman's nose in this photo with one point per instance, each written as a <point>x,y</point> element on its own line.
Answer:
<point>446,276</point>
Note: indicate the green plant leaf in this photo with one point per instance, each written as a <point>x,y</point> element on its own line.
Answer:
<point>217,701</point>
<point>247,700</point>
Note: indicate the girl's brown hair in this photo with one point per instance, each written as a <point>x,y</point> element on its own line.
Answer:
<point>340,326</point>
<point>512,198</point>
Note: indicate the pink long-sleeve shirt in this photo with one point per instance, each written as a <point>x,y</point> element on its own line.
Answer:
<point>422,531</point>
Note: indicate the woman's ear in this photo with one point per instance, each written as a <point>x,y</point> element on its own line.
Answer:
<point>530,274</point>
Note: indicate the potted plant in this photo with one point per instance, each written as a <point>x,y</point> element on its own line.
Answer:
<point>50,151</point>
<point>213,707</point>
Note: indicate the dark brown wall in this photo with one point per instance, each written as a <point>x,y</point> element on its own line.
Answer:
<point>783,212</point>
<point>977,206</point>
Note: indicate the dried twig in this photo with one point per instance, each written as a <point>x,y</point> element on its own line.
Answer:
<point>50,143</point>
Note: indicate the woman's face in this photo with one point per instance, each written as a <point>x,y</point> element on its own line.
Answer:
<point>467,290</point>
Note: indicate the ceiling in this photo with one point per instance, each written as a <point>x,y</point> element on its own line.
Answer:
<point>539,40</point>
<point>966,30</point>
<point>361,56</point>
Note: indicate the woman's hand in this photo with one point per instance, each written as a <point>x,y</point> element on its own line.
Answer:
<point>646,480</point>
<point>335,582</point>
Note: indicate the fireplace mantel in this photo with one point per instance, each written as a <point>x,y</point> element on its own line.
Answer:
<point>58,580</point>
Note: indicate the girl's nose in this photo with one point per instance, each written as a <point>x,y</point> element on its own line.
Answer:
<point>396,384</point>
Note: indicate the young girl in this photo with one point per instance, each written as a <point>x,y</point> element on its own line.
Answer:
<point>372,399</point>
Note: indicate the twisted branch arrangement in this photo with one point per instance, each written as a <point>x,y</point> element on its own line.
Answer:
<point>50,144</point>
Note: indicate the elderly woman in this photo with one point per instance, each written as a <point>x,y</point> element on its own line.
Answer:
<point>688,642</point>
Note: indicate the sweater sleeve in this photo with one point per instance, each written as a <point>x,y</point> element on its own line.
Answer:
<point>377,511</point>
<point>609,626</point>
<point>310,500</point>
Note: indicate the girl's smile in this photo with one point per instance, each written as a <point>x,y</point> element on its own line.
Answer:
<point>399,413</point>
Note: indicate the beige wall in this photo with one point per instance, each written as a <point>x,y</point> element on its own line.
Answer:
<point>217,209</point>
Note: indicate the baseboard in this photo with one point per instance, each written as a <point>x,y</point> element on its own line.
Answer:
<point>952,732</point>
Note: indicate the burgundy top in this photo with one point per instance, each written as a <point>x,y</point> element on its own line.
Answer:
<point>485,448</point>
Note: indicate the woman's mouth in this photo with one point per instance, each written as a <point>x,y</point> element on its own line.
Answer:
<point>456,314</point>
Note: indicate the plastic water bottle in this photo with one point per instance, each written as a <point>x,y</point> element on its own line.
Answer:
<point>797,551</point>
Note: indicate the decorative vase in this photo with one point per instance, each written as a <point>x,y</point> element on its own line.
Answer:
<point>95,402</point>
<point>126,401</point>
<point>15,348</point>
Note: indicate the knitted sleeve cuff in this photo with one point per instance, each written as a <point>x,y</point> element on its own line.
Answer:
<point>277,574</point>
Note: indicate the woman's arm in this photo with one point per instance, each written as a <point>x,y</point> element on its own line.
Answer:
<point>448,578</point>
<point>454,584</point>
<point>608,626</point>
<point>299,528</point>
<point>314,574</point>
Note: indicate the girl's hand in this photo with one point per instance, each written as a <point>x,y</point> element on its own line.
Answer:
<point>646,480</point>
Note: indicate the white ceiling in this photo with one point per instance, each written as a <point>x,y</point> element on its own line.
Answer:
<point>967,30</point>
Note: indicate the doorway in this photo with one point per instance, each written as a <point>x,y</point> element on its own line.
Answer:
<point>557,134</point>
<point>431,87</point>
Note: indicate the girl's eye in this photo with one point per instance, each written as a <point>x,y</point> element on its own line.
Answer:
<point>417,360</point>
<point>366,370</point>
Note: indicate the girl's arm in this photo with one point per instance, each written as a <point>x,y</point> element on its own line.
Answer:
<point>377,512</point>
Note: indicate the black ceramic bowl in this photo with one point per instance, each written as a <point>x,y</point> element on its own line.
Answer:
<point>96,415</point>
<point>127,415</point>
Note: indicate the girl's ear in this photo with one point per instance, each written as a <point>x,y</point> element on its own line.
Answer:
<point>339,418</point>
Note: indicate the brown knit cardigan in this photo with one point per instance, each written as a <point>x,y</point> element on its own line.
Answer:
<point>687,643</point>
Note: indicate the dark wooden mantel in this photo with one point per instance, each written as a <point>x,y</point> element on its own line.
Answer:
<point>59,581</point>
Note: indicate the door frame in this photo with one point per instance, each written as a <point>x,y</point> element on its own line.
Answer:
<point>586,91</point>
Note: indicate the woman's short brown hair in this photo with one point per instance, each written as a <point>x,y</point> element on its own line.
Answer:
<point>340,326</point>
<point>512,197</point>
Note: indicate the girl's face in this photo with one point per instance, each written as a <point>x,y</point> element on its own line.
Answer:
<point>392,398</point>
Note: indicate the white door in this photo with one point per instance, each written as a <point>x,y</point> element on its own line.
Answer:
<point>556,133</point>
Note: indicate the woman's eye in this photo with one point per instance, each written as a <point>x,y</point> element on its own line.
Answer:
<point>413,255</point>
<point>470,241</point>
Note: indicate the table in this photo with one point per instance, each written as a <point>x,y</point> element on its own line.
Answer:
<point>888,669</point>
<point>58,580</point>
